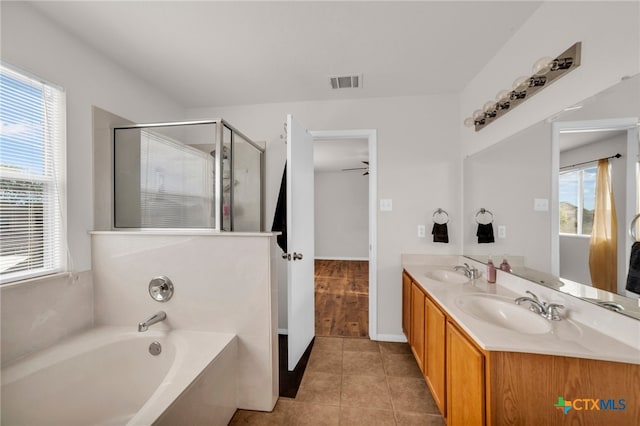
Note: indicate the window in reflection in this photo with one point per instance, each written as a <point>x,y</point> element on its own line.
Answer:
<point>577,201</point>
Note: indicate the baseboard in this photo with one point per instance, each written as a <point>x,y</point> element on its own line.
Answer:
<point>390,338</point>
<point>380,337</point>
<point>340,258</point>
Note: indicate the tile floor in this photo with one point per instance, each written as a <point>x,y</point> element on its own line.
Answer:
<point>354,381</point>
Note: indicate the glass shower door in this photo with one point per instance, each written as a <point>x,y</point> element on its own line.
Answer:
<point>247,186</point>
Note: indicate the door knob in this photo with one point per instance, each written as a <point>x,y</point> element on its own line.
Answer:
<point>297,256</point>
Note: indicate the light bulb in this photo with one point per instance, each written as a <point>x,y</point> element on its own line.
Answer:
<point>477,114</point>
<point>521,83</point>
<point>489,106</point>
<point>542,65</point>
<point>469,121</point>
<point>503,95</point>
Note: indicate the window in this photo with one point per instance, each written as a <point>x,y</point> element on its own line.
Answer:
<point>32,146</point>
<point>577,201</point>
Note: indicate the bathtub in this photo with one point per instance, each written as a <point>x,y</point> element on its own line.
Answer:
<point>107,376</point>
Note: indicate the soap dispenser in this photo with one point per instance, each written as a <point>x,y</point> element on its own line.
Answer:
<point>491,271</point>
<point>505,265</point>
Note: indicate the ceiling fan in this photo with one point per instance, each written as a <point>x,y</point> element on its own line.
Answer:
<point>366,168</point>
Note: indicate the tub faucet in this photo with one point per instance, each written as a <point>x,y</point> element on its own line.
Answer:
<point>144,326</point>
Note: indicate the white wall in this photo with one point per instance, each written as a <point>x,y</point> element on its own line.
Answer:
<point>223,283</point>
<point>37,313</point>
<point>341,215</point>
<point>610,35</point>
<point>418,168</point>
<point>574,250</point>
<point>37,45</point>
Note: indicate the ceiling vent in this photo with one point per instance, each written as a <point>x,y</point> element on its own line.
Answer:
<point>346,82</point>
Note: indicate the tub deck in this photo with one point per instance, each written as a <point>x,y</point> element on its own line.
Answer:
<point>70,382</point>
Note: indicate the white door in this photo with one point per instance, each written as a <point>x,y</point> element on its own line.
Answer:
<point>300,241</point>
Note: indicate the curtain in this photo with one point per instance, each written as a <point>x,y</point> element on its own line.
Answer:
<point>603,254</point>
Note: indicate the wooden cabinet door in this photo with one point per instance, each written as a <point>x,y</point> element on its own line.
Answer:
<point>417,324</point>
<point>406,305</point>
<point>465,381</point>
<point>435,324</point>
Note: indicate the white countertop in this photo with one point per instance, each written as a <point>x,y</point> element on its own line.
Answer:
<point>570,336</point>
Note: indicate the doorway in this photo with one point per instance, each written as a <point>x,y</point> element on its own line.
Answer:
<point>346,266</point>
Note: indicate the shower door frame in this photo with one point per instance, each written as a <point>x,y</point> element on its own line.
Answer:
<point>219,184</point>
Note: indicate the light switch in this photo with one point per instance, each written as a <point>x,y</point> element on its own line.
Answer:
<point>541,204</point>
<point>386,205</point>
<point>421,231</point>
<point>502,231</point>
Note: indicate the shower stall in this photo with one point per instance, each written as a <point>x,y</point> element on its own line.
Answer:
<point>197,174</point>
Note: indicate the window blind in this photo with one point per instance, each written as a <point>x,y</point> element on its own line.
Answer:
<point>32,165</point>
<point>176,183</point>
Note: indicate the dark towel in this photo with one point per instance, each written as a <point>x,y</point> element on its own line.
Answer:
<point>280,215</point>
<point>633,279</point>
<point>440,233</point>
<point>485,233</point>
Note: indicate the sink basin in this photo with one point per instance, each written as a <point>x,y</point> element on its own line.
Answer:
<point>446,276</point>
<point>503,312</point>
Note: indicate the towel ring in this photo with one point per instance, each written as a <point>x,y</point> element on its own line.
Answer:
<point>484,211</point>
<point>440,212</point>
<point>632,228</point>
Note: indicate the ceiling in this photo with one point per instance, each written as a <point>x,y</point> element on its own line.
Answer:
<point>336,155</point>
<point>212,53</point>
<point>574,140</point>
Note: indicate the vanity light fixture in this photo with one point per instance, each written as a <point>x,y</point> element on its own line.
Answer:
<point>545,71</point>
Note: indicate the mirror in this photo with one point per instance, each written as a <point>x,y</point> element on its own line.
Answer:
<point>518,180</point>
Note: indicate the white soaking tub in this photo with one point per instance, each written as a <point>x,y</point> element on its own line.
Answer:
<point>107,376</point>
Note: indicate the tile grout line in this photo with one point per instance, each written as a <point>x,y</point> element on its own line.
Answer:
<point>386,379</point>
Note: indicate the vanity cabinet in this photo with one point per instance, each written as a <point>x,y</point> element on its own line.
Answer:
<point>465,380</point>
<point>434,372</point>
<point>452,365</point>
<point>477,387</point>
<point>406,304</point>
<point>417,324</point>
<point>424,326</point>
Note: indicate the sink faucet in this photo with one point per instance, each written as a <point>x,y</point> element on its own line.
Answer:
<point>613,306</point>
<point>144,326</point>
<point>549,311</point>
<point>469,271</point>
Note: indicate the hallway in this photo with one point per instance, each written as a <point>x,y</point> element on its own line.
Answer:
<point>342,298</point>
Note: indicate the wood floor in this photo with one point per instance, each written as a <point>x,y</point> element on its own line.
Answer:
<point>342,298</point>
